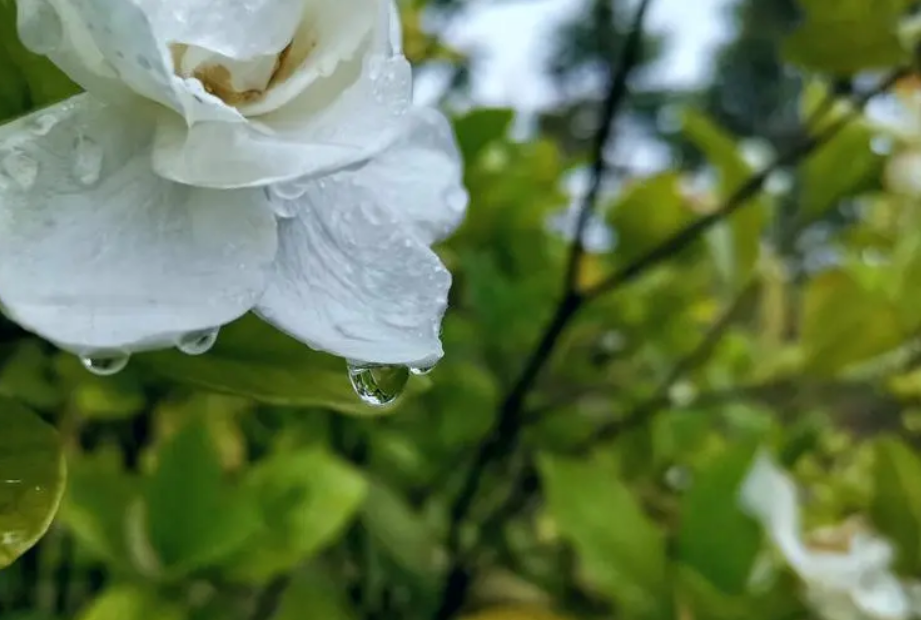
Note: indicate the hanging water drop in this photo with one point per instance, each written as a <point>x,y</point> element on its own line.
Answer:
<point>421,371</point>
<point>198,342</point>
<point>105,363</point>
<point>40,27</point>
<point>378,385</point>
<point>87,160</point>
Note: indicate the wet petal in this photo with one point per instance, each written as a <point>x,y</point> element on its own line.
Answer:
<point>114,43</point>
<point>232,28</point>
<point>355,280</point>
<point>100,253</point>
<point>419,177</point>
<point>338,120</point>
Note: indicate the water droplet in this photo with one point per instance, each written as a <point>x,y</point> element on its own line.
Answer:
<point>378,385</point>
<point>421,371</point>
<point>40,27</point>
<point>198,342</point>
<point>21,168</point>
<point>105,363</point>
<point>87,160</point>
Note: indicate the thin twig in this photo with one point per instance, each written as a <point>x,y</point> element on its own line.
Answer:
<point>687,235</point>
<point>504,435</point>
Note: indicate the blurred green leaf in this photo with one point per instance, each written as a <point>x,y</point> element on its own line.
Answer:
<point>621,551</point>
<point>710,515</point>
<point>402,532</point>
<point>195,518</point>
<point>896,503</point>
<point>32,479</point>
<point>838,169</point>
<point>701,599</point>
<point>132,603</point>
<point>479,128</point>
<point>97,508</point>
<point>737,241</point>
<point>648,212</point>
<point>26,376</point>
<point>306,499</point>
<point>844,322</point>
<point>252,358</point>
<point>314,595</point>
<point>843,37</point>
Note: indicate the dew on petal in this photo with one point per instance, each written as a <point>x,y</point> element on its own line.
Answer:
<point>198,342</point>
<point>105,363</point>
<point>421,371</point>
<point>377,385</point>
<point>20,168</point>
<point>88,157</point>
<point>40,27</point>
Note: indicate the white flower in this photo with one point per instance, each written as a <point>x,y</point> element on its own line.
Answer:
<point>227,156</point>
<point>846,571</point>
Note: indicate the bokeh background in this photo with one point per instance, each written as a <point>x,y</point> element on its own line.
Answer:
<point>581,450</point>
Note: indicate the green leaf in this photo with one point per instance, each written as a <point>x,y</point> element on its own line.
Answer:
<point>701,599</point>
<point>621,551</point>
<point>306,500</point>
<point>896,503</point>
<point>710,516</point>
<point>402,532</point>
<point>131,603</point>
<point>649,212</point>
<point>843,37</point>
<point>737,241</point>
<point>32,479</point>
<point>843,166</point>
<point>314,595</point>
<point>844,322</point>
<point>253,359</point>
<point>479,128</point>
<point>195,518</point>
<point>97,507</point>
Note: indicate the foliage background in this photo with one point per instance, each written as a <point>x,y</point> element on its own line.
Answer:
<point>579,450</point>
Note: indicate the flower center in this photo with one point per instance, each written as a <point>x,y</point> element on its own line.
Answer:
<point>241,82</point>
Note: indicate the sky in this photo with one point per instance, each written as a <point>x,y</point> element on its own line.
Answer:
<point>511,38</point>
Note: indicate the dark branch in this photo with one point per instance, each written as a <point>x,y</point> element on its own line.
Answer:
<point>683,238</point>
<point>504,435</point>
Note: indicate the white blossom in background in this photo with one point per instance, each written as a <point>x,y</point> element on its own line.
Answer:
<point>227,156</point>
<point>846,571</point>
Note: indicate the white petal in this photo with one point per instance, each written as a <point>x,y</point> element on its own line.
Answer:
<point>100,253</point>
<point>233,28</point>
<point>882,597</point>
<point>354,280</point>
<point>116,41</point>
<point>420,176</point>
<point>338,120</point>
<point>769,495</point>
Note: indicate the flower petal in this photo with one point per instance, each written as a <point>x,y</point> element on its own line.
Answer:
<point>100,253</point>
<point>232,28</point>
<point>116,42</point>
<point>338,120</point>
<point>354,280</point>
<point>420,176</point>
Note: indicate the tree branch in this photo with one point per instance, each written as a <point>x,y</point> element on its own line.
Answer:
<point>504,435</point>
